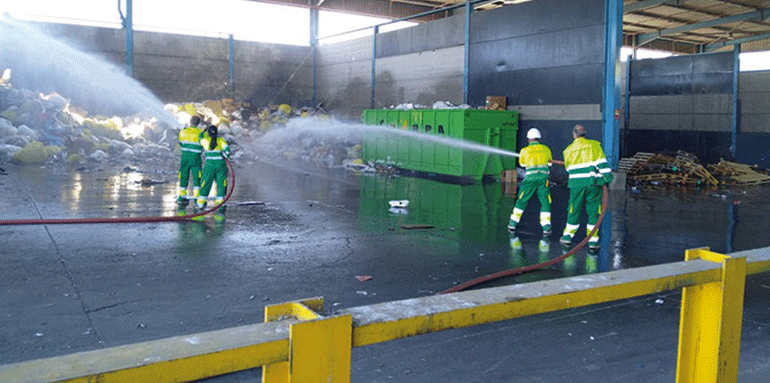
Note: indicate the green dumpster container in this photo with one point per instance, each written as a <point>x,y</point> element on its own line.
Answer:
<point>413,152</point>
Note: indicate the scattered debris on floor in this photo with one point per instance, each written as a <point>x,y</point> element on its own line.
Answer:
<point>364,278</point>
<point>684,169</point>
<point>150,182</point>
<point>417,226</point>
<point>250,203</point>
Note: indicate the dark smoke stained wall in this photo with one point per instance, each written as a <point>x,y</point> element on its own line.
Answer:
<point>178,68</point>
<point>546,57</point>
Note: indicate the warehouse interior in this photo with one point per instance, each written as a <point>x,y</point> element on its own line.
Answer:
<point>89,117</point>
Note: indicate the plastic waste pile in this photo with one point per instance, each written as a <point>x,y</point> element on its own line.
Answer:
<point>37,128</point>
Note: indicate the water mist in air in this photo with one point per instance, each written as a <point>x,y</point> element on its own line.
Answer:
<point>43,63</point>
<point>298,128</point>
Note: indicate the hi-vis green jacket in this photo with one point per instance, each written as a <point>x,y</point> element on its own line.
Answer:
<point>189,140</point>
<point>586,164</point>
<point>535,158</point>
<point>220,151</point>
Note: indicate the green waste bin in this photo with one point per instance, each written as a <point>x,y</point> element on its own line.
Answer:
<point>412,151</point>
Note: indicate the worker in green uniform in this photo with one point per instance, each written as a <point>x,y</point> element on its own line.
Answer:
<point>215,149</point>
<point>588,171</point>
<point>536,159</point>
<point>189,142</point>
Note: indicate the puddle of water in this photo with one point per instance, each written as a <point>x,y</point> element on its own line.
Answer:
<point>640,229</point>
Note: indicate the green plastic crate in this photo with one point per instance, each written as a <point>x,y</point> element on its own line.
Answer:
<point>488,127</point>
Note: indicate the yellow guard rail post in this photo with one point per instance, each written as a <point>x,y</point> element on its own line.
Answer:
<point>710,323</point>
<point>319,348</point>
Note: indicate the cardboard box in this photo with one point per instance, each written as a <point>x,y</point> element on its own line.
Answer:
<point>496,103</point>
<point>508,182</point>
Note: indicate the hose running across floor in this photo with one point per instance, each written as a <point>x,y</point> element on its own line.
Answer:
<point>537,266</point>
<point>58,221</point>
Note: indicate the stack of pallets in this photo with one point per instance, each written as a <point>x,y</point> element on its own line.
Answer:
<point>681,169</point>
<point>738,174</point>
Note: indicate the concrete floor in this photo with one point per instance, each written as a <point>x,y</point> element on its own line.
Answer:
<point>71,288</point>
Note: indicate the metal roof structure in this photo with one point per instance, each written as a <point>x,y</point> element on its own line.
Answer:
<point>682,26</point>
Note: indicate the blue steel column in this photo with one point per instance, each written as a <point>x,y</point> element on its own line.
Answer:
<point>374,57</point>
<point>627,112</point>
<point>466,65</point>
<point>736,103</point>
<point>732,216</point>
<point>232,64</point>
<point>613,23</point>
<point>130,37</point>
<point>314,26</point>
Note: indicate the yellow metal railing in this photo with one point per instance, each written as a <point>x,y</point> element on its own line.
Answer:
<point>297,344</point>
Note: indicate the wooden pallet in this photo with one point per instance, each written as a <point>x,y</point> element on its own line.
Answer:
<point>680,169</point>
<point>741,174</point>
<point>635,164</point>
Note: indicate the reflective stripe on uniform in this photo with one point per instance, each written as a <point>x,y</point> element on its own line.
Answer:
<point>570,230</point>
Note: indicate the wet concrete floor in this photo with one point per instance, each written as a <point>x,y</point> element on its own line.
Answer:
<point>72,288</point>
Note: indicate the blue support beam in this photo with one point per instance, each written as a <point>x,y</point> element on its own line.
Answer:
<point>314,28</point>
<point>758,15</point>
<point>627,111</point>
<point>613,32</point>
<point>231,43</point>
<point>129,24</point>
<point>466,64</point>
<point>376,29</point>
<point>718,45</point>
<point>736,117</point>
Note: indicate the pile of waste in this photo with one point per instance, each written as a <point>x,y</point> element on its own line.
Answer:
<point>684,169</point>
<point>38,128</point>
<point>436,105</point>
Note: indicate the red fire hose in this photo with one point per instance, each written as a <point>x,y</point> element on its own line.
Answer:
<point>537,266</point>
<point>56,221</point>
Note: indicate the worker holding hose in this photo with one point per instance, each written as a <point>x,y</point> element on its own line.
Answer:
<point>588,171</point>
<point>536,159</point>
<point>215,149</point>
<point>189,142</point>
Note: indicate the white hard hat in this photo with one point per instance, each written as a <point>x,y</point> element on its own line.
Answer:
<point>533,134</point>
